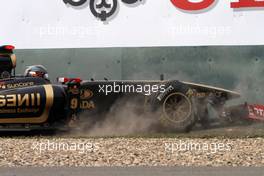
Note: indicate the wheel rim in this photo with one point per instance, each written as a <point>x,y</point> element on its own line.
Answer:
<point>177,107</point>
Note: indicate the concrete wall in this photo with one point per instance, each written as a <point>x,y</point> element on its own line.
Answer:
<point>236,67</point>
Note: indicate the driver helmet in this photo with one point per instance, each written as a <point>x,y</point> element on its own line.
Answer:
<point>36,71</point>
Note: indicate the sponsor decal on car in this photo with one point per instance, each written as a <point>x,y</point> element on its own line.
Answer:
<point>15,85</point>
<point>87,105</point>
<point>33,107</point>
<point>20,103</point>
<point>167,90</point>
<point>82,104</point>
<point>19,85</point>
<point>18,100</point>
<point>86,94</point>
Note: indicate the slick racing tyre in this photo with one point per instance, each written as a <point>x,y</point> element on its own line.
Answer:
<point>174,108</point>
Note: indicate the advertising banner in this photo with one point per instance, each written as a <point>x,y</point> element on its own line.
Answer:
<point>130,23</point>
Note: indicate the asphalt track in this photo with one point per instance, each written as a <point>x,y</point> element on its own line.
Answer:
<point>134,171</point>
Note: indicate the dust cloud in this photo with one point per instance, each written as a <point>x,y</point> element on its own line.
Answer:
<point>127,116</point>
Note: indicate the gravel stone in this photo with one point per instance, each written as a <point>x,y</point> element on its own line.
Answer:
<point>15,152</point>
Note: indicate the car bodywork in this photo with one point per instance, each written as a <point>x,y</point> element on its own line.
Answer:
<point>244,113</point>
<point>28,103</point>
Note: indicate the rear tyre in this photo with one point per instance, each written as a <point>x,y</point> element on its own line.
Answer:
<point>174,108</point>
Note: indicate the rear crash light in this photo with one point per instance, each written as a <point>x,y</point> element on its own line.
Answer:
<point>9,47</point>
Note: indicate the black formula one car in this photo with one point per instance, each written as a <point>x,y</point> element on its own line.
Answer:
<point>32,102</point>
